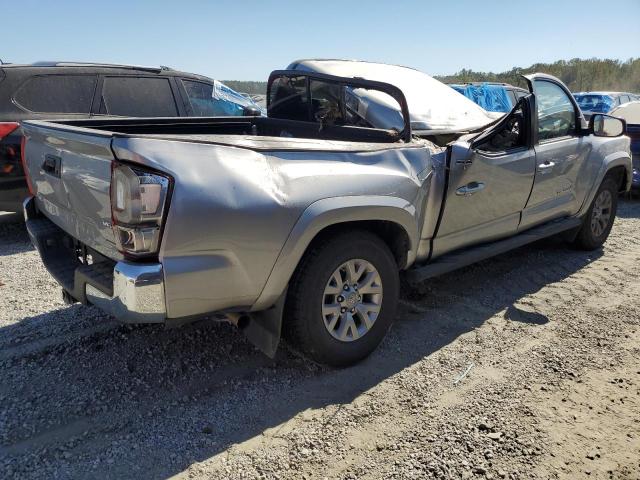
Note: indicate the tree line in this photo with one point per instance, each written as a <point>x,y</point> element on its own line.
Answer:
<point>243,86</point>
<point>578,74</point>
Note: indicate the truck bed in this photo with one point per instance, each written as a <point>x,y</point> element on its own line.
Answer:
<point>257,133</point>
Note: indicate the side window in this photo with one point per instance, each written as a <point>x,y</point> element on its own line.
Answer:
<point>207,101</point>
<point>511,135</point>
<point>556,114</point>
<point>624,99</point>
<point>138,97</point>
<point>57,94</point>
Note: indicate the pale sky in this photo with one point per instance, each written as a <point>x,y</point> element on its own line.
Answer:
<point>245,40</point>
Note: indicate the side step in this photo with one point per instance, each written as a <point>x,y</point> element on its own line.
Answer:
<point>455,260</point>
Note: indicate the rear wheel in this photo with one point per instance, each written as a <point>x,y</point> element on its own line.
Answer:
<point>342,298</point>
<point>598,221</point>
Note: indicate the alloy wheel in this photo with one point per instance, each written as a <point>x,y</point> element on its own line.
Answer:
<point>601,214</point>
<point>352,300</point>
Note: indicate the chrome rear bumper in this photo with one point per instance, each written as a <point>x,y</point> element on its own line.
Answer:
<point>138,294</point>
<point>131,292</point>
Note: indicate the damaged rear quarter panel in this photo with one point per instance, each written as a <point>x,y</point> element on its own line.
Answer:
<point>233,209</point>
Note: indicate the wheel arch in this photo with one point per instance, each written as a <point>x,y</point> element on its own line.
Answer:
<point>391,218</point>
<point>620,175</point>
<point>616,164</point>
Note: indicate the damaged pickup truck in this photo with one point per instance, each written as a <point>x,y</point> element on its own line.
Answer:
<point>301,222</point>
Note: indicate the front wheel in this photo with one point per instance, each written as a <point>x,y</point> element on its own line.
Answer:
<point>342,298</point>
<point>598,221</point>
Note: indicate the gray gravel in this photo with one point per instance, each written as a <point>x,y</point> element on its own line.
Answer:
<point>552,335</point>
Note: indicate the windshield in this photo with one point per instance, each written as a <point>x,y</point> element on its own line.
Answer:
<point>594,103</point>
<point>432,104</point>
<point>217,99</point>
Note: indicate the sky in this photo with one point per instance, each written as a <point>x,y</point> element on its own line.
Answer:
<point>245,40</point>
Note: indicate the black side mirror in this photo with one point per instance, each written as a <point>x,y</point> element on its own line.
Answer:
<point>251,111</point>
<point>607,126</point>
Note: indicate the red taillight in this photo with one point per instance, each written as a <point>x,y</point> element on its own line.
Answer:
<point>6,128</point>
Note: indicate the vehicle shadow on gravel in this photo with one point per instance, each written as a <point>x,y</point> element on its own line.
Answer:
<point>13,234</point>
<point>146,402</point>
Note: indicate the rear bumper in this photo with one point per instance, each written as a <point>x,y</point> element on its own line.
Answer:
<point>138,294</point>
<point>133,293</point>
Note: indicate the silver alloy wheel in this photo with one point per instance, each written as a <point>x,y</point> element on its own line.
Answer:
<point>352,300</point>
<point>601,213</point>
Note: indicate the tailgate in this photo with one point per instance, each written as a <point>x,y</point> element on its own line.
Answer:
<point>70,172</point>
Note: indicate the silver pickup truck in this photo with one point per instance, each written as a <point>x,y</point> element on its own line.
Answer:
<point>300,222</point>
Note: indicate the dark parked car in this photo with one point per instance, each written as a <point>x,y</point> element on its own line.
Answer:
<point>602,102</point>
<point>493,97</point>
<point>50,90</point>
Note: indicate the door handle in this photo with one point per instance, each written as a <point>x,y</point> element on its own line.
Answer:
<point>470,189</point>
<point>546,166</point>
<point>52,165</point>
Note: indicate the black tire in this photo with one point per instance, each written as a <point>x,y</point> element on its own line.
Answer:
<point>304,321</point>
<point>591,236</point>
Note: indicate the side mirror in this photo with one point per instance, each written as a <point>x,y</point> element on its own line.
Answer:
<point>250,111</point>
<point>607,126</point>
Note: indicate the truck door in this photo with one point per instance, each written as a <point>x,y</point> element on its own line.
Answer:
<point>489,183</point>
<point>561,152</point>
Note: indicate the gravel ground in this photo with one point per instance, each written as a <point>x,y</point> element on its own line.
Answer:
<point>549,338</point>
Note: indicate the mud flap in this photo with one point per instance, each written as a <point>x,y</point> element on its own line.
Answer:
<point>264,328</point>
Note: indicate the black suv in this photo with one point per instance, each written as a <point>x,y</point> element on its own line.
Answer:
<point>81,90</point>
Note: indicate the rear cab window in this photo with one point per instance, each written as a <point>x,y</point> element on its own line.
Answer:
<point>57,94</point>
<point>130,96</point>
<point>321,101</point>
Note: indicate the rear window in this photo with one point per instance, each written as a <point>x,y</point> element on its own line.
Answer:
<point>333,104</point>
<point>138,97</point>
<point>57,94</point>
<point>288,98</point>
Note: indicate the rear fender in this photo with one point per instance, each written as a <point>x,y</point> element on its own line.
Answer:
<point>329,212</point>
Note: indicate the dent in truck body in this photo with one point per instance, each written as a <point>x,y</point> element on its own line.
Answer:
<point>267,207</point>
<point>84,186</point>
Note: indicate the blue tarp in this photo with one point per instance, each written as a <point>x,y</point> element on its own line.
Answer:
<point>491,97</point>
<point>591,102</point>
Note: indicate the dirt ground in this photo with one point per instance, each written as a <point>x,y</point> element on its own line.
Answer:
<point>549,339</point>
